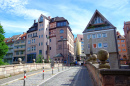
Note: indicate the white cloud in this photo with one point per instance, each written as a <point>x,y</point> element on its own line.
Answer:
<point>18,8</point>
<point>77,17</point>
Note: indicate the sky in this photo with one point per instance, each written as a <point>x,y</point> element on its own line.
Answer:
<point>17,16</point>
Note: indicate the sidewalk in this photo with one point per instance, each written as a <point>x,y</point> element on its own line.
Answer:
<point>33,78</point>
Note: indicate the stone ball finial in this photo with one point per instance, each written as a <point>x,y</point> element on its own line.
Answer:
<point>33,60</point>
<point>19,60</point>
<point>94,57</point>
<point>103,55</point>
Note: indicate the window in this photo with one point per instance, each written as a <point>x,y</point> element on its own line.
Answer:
<point>59,24</point>
<point>22,41</point>
<point>40,51</point>
<point>82,42</point>
<point>49,33</point>
<point>123,45</point>
<point>34,34</point>
<point>94,36</point>
<point>32,40</point>
<point>88,45</point>
<point>46,43</point>
<point>50,48</point>
<point>99,45</point>
<point>28,48</point>
<point>105,45</point>
<point>41,43</point>
<point>46,28</point>
<point>99,35</point>
<point>17,53</point>
<point>104,35</point>
<point>41,19</point>
<point>123,50</point>
<point>32,48</point>
<point>39,36</point>
<point>118,40</point>
<point>119,49</point>
<point>61,31</point>
<point>122,40</point>
<point>61,37</point>
<point>46,36</point>
<point>39,29</point>
<point>29,41</point>
<point>21,52</point>
<point>88,36</point>
<point>94,46</point>
<point>118,45</point>
<point>50,40</point>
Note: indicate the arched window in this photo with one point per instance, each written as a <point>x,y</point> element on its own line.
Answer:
<point>41,19</point>
<point>61,31</point>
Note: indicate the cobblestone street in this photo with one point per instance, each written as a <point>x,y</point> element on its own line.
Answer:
<point>69,76</point>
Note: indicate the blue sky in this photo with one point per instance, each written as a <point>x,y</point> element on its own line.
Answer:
<point>16,16</point>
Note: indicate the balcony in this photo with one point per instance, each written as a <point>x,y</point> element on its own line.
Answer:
<point>17,49</point>
<point>20,55</point>
<point>10,46</point>
<point>19,44</point>
<point>9,57</point>
<point>10,51</point>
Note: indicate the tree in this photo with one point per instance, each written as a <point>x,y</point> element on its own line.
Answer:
<point>3,46</point>
<point>39,59</point>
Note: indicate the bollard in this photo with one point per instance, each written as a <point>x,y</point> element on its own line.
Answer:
<point>62,66</point>
<point>58,67</point>
<point>43,72</point>
<point>52,70</point>
<point>24,78</point>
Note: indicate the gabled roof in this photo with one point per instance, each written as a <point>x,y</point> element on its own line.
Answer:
<point>95,13</point>
<point>59,55</point>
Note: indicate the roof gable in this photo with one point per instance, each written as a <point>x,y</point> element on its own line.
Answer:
<point>97,20</point>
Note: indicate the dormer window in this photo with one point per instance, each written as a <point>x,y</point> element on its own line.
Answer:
<point>41,19</point>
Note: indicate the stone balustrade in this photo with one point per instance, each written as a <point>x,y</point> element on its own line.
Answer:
<point>10,70</point>
<point>108,77</point>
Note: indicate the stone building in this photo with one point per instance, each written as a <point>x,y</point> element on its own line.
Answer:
<point>20,48</point>
<point>101,34</point>
<point>10,42</point>
<point>37,39</point>
<point>122,48</point>
<point>127,37</point>
<point>61,40</point>
<point>79,47</point>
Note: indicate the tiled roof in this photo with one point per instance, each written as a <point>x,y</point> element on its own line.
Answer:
<point>128,22</point>
<point>12,39</point>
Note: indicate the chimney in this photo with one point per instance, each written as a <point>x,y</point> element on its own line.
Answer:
<point>23,32</point>
<point>34,21</point>
<point>49,17</point>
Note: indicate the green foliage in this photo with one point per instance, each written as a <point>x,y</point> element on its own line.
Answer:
<point>3,46</point>
<point>39,59</point>
<point>45,61</point>
<point>3,63</point>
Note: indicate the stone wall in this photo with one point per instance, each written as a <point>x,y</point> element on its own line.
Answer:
<point>108,77</point>
<point>10,70</point>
